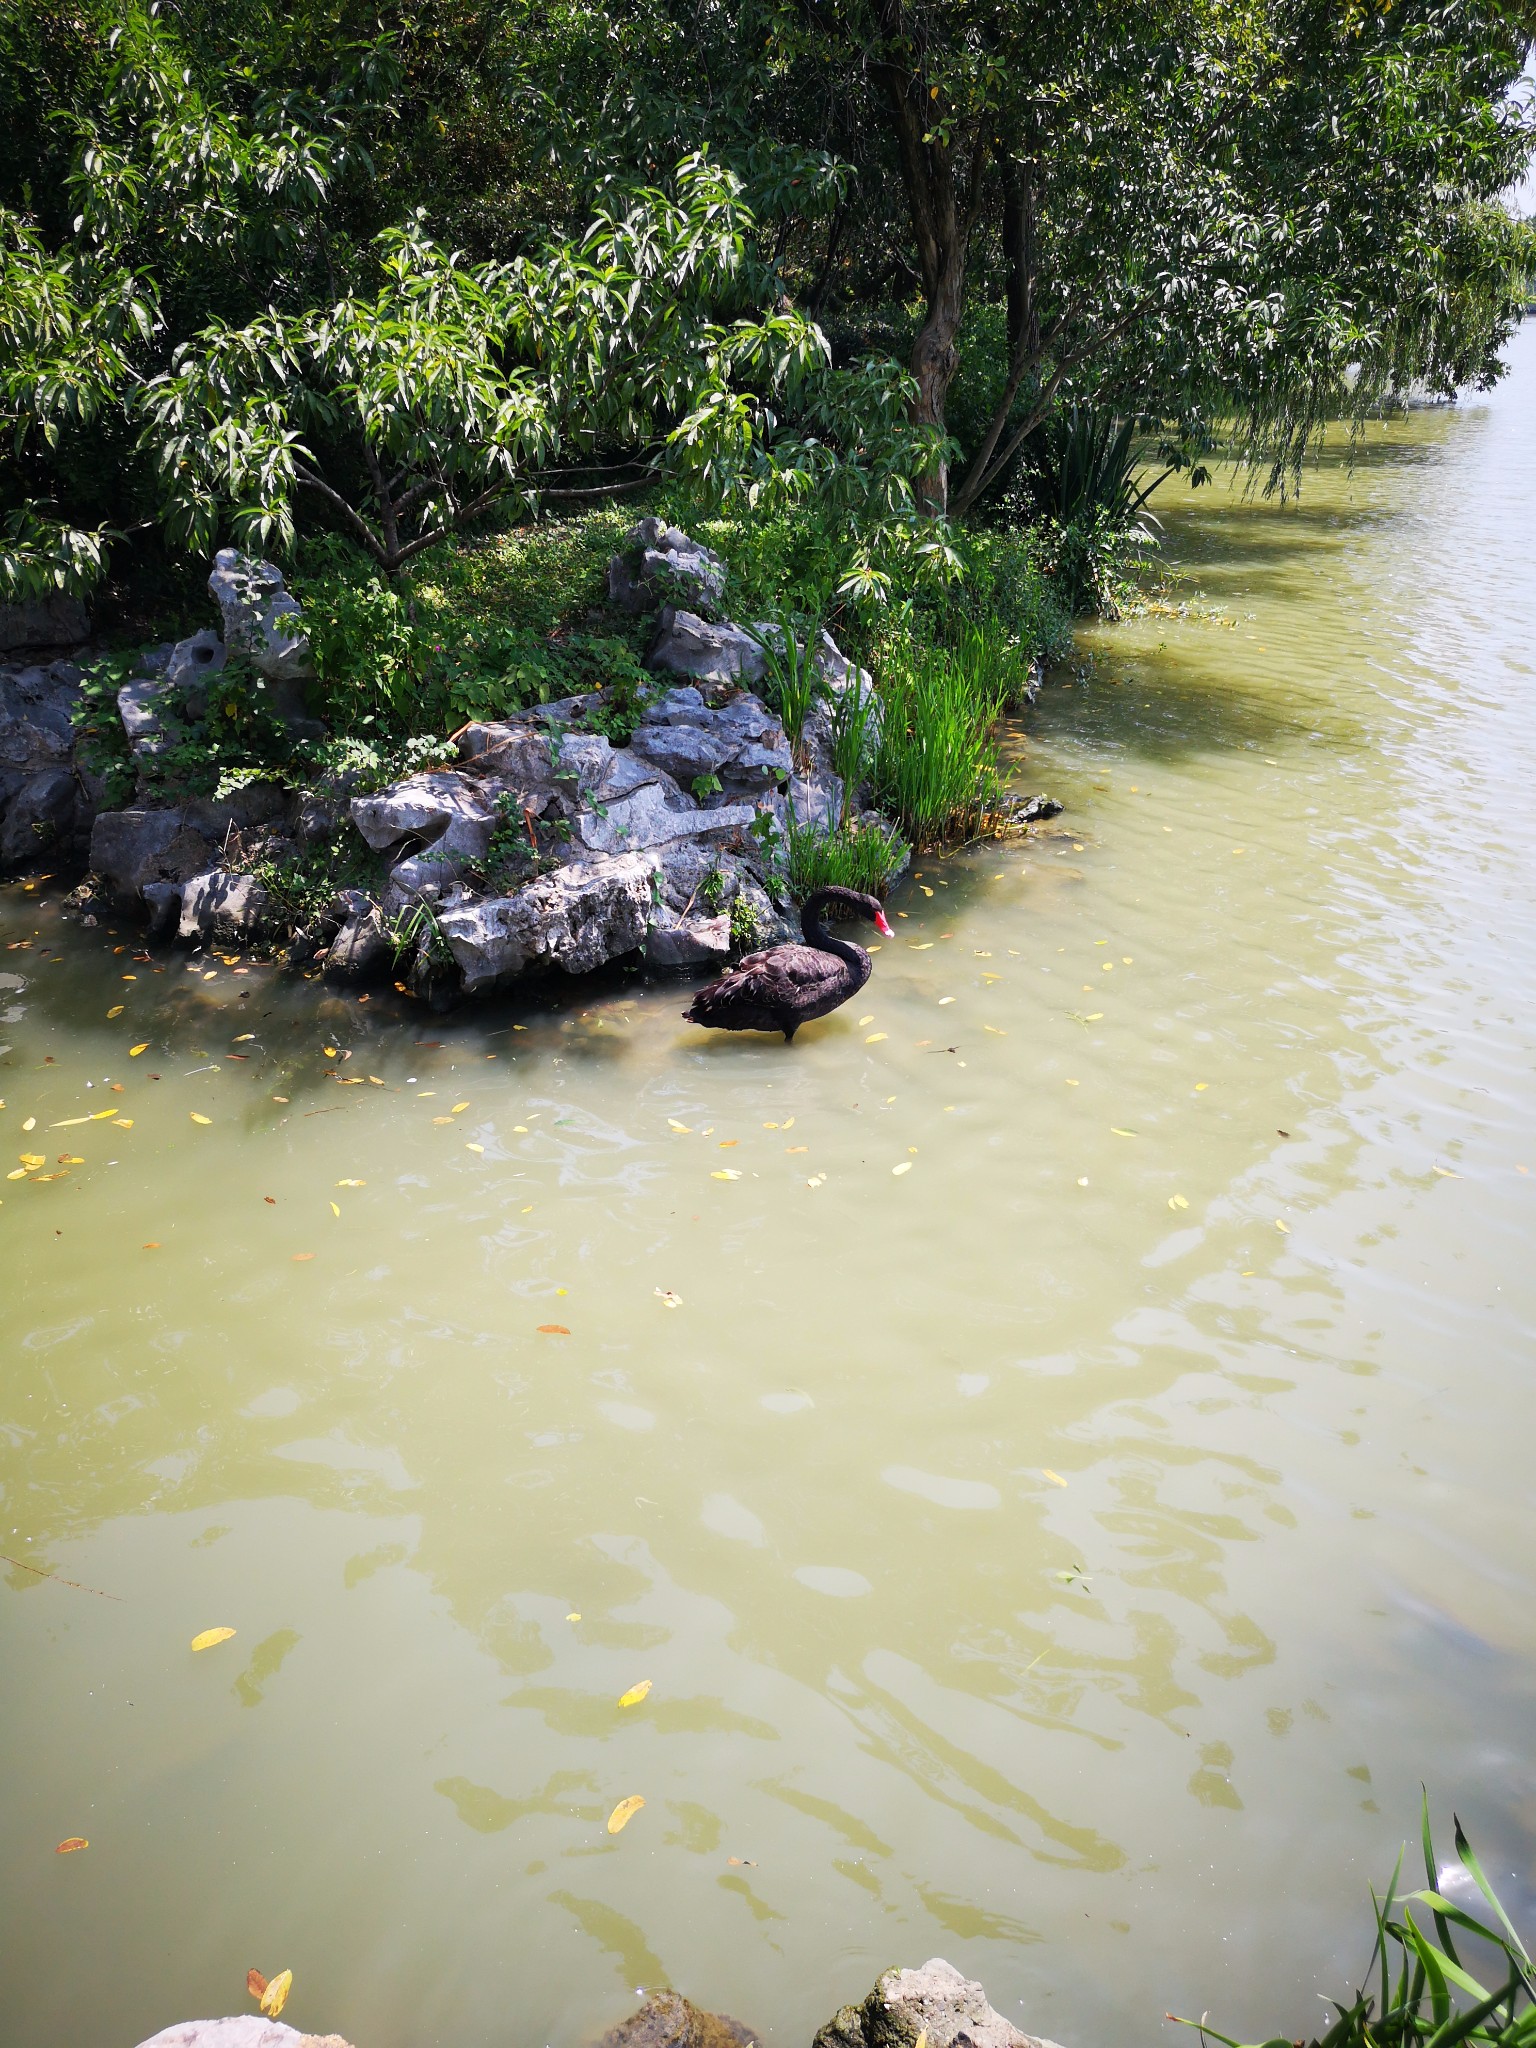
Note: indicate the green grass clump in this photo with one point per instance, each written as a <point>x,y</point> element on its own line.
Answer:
<point>1429,1997</point>
<point>862,857</point>
<point>936,764</point>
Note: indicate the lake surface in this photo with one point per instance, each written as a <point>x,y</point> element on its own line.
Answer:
<point>1082,1487</point>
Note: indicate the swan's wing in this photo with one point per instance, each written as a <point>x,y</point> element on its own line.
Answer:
<point>797,971</point>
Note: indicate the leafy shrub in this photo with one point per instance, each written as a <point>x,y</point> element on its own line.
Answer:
<point>862,857</point>
<point>936,765</point>
<point>1082,472</point>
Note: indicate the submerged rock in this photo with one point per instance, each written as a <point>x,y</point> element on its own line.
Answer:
<point>667,2020</point>
<point>245,2030</point>
<point>936,2001</point>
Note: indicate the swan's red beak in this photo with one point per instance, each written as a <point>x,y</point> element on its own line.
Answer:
<point>882,926</point>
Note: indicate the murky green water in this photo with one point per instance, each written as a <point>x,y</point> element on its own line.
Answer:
<point>1066,1555</point>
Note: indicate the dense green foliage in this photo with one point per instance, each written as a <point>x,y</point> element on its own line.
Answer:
<point>267,270</point>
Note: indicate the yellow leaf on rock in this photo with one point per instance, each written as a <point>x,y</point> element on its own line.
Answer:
<point>210,1636</point>
<point>275,1997</point>
<point>636,1694</point>
<point>199,1118</point>
<point>624,1813</point>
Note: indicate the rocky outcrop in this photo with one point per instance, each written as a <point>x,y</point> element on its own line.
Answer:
<point>50,622</point>
<point>659,564</point>
<point>688,645</point>
<point>935,2003</point>
<point>574,920</point>
<point>45,807</point>
<point>261,619</point>
<point>667,2020</point>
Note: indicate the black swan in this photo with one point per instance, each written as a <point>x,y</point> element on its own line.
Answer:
<point>785,987</point>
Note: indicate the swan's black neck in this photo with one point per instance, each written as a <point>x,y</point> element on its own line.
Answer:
<point>838,902</point>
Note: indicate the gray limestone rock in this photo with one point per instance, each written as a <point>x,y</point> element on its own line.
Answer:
<point>40,817</point>
<point>224,907</point>
<point>659,564</point>
<point>576,919</point>
<point>130,848</point>
<point>363,948</point>
<point>44,622</point>
<point>684,751</point>
<point>651,815</point>
<point>191,664</point>
<point>36,703</point>
<point>445,810</point>
<point>145,709</point>
<point>936,2001</point>
<point>691,646</point>
<point>690,942</point>
<point>260,618</point>
<point>245,2030</point>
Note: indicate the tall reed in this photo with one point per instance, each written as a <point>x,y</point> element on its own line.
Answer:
<point>936,764</point>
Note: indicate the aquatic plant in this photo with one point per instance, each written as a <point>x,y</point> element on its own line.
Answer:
<point>791,676</point>
<point>1428,1996</point>
<point>862,857</point>
<point>936,766</point>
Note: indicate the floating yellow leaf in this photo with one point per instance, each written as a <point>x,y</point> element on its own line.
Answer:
<point>17,1173</point>
<point>1094,1017</point>
<point>945,999</point>
<point>458,1106</point>
<point>624,1813</point>
<point>875,1037</point>
<point>329,1051</point>
<point>31,1160</point>
<point>867,1020</point>
<point>725,1173</point>
<point>474,1148</point>
<point>442,1119</point>
<point>244,1038</point>
<point>995,1031</point>
<point>69,1845</point>
<point>925,947</point>
<point>788,1124</point>
<point>135,1050</point>
<point>632,1698</point>
<point>335,1211</point>
<point>123,1123</point>
<point>30,1124</point>
<point>668,1299</point>
<point>1054,1477</point>
<point>275,1997</point>
<point>1282,1226</point>
<point>116,1010</point>
<point>575,1616</point>
<point>729,1144</point>
<point>71,1159</point>
<point>797,1148</point>
<point>905,1167</point>
<point>351,1183</point>
<point>1115,1128</point>
<point>553,1330</point>
<point>210,1636</point>
<point>302,1258</point>
<point>100,1116</point>
<point>676,1126</point>
<point>255,1983</point>
<point>1178,1201</point>
<point>1446,1173</point>
<point>199,1118</point>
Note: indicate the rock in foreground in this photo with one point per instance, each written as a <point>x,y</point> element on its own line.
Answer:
<point>669,2021</point>
<point>935,2001</point>
<point>246,2030</point>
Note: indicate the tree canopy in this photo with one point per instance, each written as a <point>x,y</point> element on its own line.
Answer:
<point>264,266</point>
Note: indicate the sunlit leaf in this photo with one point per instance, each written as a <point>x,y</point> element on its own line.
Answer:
<point>875,1037</point>
<point>624,1813</point>
<point>69,1845</point>
<point>351,1183</point>
<point>116,1010</point>
<point>255,1983</point>
<point>458,1106</point>
<point>676,1126</point>
<point>725,1173</point>
<point>198,1117</point>
<point>275,1997</point>
<point>335,1211</point>
<point>905,1167</point>
<point>636,1694</point>
<point>553,1330</point>
<point>210,1636</point>
<point>668,1299</point>
<point>135,1050</point>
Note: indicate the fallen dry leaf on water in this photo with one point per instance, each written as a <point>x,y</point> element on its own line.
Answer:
<point>199,1118</point>
<point>668,1299</point>
<point>210,1636</point>
<point>244,1037</point>
<point>30,1124</point>
<point>255,1983</point>
<point>553,1330</point>
<point>1446,1173</point>
<point>335,1211</point>
<point>741,1862</point>
<point>727,1144</point>
<point>458,1106</point>
<point>1117,1132</point>
<point>905,1167</point>
<point>329,1051</point>
<point>624,1813</point>
<point>1178,1201</point>
<point>875,1037</point>
<point>636,1694</point>
<point>574,1616</point>
<point>1282,1226</point>
<point>70,1843</point>
<point>351,1183</point>
<point>275,1997</point>
<point>116,1010</point>
<point>474,1148</point>
<point>302,1258</point>
<point>725,1173</point>
<point>1054,1477</point>
<point>797,1148</point>
<point>676,1126</point>
<point>152,1246</point>
<point>123,1123</point>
